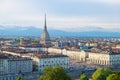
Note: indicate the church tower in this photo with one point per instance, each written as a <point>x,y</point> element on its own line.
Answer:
<point>45,38</point>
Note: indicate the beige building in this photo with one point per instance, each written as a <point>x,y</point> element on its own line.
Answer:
<point>54,50</point>
<point>91,44</point>
<point>77,55</point>
<point>109,58</point>
<point>95,56</point>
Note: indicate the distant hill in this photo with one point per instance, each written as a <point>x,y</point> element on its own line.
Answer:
<point>32,31</point>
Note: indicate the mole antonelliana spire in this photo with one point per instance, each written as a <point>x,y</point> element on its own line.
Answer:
<point>45,23</point>
<point>45,38</point>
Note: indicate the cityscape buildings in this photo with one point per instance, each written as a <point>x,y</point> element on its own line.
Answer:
<point>22,57</point>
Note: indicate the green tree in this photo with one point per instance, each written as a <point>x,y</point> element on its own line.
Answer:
<point>54,73</point>
<point>117,76</point>
<point>83,77</point>
<point>18,78</point>
<point>111,77</point>
<point>101,74</point>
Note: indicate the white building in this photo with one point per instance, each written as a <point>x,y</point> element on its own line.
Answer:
<point>14,65</point>
<point>45,60</point>
<point>7,77</point>
<point>3,65</point>
<point>20,65</point>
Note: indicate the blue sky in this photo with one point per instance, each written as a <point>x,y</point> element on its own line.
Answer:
<point>68,15</point>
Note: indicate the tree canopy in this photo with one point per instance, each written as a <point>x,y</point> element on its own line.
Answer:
<point>114,76</point>
<point>101,74</point>
<point>18,78</point>
<point>54,73</point>
<point>111,77</point>
<point>83,77</point>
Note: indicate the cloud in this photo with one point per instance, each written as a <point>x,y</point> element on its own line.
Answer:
<point>111,2</point>
<point>64,23</point>
<point>107,1</point>
<point>76,23</point>
<point>61,14</point>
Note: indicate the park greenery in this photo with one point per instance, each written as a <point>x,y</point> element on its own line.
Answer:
<point>54,73</point>
<point>83,77</point>
<point>101,74</point>
<point>59,73</point>
<point>105,74</point>
<point>18,78</point>
<point>113,76</point>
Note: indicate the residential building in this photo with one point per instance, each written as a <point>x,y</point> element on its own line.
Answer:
<point>14,64</point>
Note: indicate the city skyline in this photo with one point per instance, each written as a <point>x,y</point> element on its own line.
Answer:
<point>67,15</point>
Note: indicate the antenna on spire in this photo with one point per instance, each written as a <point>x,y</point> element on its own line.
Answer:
<point>45,23</point>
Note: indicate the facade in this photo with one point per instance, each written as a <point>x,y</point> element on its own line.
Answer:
<point>94,55</point>
<point>115,59</point>
<point>63,43</point>
<point>99,58</point>
<point>110,58</point>
<point>7,77</point>
<point>51,60</point>
<point>78,55</point>
<point>14,65</point>
<point>55,50</point>
<point>3,66</point>
<point>21,65</point>
<point>45,38</point>
<point>91,44</point>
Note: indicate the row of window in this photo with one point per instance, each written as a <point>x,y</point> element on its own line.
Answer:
<point>53,61</point>
<point>7,78</point>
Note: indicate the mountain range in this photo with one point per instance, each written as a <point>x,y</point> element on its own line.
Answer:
<point>33,31</point>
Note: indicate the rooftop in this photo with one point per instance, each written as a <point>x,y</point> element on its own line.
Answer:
<point>41,55</point>
<point>104,51</point>
<point>31,45</point>
<point>17,50</point>
<point>11,57</point>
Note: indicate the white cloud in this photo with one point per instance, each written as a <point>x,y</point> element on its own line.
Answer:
<point>64,23</point>
<point>67,23</point>
<point>75,23</point>
<point>111,2</point>
<point>107,1</point>
<point>26,13</point>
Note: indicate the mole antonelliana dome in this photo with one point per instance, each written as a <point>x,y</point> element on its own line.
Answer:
<point>45,38</point>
